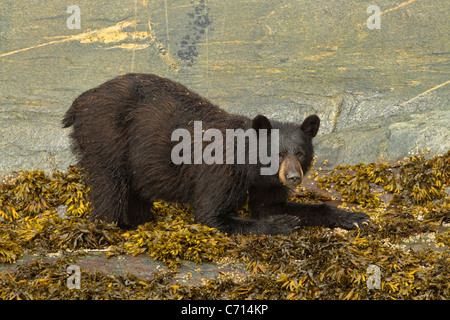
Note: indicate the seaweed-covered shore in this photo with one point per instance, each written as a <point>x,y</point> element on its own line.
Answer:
<point>408,201</point>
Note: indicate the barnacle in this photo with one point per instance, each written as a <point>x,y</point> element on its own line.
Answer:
<point>46,213</point>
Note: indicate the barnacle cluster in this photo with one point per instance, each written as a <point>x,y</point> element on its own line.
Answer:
<point>42,214</point>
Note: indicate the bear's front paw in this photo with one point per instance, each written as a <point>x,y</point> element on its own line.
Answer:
<point>281,224</point>
<point>350,220</point>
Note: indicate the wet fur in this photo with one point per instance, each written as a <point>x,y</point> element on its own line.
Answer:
<point>122,136</point>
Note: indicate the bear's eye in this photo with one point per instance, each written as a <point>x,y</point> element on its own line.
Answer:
<point>299,154</point>
<point>283,153</point>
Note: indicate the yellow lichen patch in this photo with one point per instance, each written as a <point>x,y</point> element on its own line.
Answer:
<point>106,35</point>
<point>130,46</point>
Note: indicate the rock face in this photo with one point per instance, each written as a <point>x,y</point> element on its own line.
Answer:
<point>381,93</point>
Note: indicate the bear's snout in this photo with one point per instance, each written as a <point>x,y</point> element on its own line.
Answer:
<point>291,173</point>
<point>293,178</point>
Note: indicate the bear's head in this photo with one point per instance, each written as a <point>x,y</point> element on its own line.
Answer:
<point>295,147</point>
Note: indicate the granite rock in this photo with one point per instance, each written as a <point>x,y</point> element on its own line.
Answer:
<point>381,93</point>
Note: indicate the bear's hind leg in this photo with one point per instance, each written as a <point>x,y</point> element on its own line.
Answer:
<point>113,200</point>
<point>109,194</point>
<point>139,212</point>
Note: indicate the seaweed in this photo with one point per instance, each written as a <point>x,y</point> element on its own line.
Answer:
<point>44,214</point>
<point>415,180</point>
<point>174,241</point>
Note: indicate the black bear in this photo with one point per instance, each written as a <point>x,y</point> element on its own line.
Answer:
<point>123,135</point>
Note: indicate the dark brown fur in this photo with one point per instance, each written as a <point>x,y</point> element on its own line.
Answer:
<point>122,135</point>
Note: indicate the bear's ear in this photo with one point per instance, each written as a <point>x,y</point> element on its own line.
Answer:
<point>261,122</point>
<point>311,125</point>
